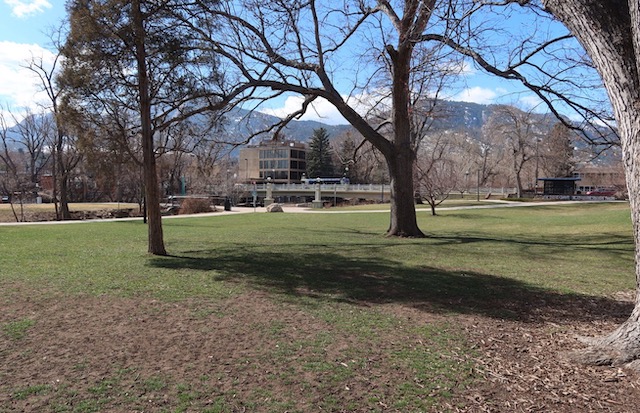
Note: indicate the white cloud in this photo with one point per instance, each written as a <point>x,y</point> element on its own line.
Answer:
<point>467,68</point>
<point>19,87</point>
<point>21,8</point>
<point>320,110</point>
<point>532,102</point>
<point>477,94</point>
<point>323,111</point>
<point>462,68</point>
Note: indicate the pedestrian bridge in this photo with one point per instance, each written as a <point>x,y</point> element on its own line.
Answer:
<point>291,193</point>
<point>299,192</point>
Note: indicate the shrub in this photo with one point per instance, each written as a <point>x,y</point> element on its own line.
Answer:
<point>195,206</point>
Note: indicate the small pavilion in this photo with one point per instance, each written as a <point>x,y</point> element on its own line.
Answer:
<point>559,186</point>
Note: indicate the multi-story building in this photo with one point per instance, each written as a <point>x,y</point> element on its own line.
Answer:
<point>282,161</point>
<point>596,177</point>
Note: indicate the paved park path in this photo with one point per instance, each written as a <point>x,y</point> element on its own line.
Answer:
<point>306,210</point>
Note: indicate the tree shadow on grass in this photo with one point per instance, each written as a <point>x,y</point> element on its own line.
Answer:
<point>376,280</point>
<point>614,245</point>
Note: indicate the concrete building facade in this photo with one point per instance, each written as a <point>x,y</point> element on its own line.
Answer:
<point>282,161</point>
<point>593,178</point>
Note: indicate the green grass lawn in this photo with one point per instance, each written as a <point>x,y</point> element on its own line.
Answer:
<point>582,248</point>
<point>335,268</point>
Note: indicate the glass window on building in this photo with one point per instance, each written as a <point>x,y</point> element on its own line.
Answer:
<point>296,154</point>
<point>282,175</point>
<point>270,164</point>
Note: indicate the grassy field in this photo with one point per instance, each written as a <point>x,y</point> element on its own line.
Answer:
<point>336,273</point>
<point>583,249</point>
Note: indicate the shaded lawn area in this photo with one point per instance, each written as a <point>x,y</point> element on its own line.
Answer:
<point>373,280</point>
<point>308,312</point>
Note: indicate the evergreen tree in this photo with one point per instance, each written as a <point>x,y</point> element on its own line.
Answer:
<point>557,154</point>
<point>135,58</point>
<point>319,159</point>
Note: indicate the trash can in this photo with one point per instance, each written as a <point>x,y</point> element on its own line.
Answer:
<point>227,204</point>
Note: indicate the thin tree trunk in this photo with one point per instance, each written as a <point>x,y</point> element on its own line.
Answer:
<point>55,183</point>
<point>152,195</point>
<point>63,212</point>
<point>519,184</point>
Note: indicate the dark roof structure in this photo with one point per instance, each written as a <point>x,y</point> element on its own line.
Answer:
<point>559,186</point>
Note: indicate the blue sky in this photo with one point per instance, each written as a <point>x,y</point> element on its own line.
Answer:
<point>23,28</point>
<point>23,24</point>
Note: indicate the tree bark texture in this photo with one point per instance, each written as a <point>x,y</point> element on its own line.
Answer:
<point>62,178</point>
<point>403,220</point>
<point>401,155</point>
<point>610,33</point>
<point>152,195</point>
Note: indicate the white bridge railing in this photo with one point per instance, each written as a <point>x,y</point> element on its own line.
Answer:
<point>372,188</point>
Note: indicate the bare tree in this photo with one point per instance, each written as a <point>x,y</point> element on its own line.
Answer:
<point>63,149</point>
<point>521,132</point>
<point>276,48</point>
<point>436,171</point>
<point>488,153</point>
<point>345,156</point>
<point>32,133</point>
<point>610,33</point>
<point>399,55</point>
<point>360,161</point>
<point>13,179</point>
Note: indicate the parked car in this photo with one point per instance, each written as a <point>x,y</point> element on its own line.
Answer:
<point>5,199</point>
<point>602,192</point>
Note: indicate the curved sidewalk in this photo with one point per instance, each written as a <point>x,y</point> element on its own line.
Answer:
<point>294,209</point>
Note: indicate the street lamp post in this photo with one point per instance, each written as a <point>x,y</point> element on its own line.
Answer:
<point>466,183</point>
<point>535,184</point>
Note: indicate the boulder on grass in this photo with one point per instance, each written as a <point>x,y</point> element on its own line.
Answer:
<point>275,208</point>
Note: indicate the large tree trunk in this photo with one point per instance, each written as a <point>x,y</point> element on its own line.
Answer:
<point>152,195</point>
<point>400,159</point>
<point>610,33</point>
<point>403,220</point>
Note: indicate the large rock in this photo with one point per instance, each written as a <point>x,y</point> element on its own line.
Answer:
<point>275,208</point>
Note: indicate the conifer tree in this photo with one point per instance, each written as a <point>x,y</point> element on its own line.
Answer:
<point>134,60</point>
<point>319,159</point>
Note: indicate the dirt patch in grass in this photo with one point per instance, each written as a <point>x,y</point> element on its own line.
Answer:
<point>46,212</point>
<point>258,352</point>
